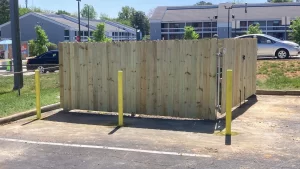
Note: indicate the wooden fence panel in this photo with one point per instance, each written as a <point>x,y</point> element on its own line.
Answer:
<point>166,78</point>
<point>241,56</point>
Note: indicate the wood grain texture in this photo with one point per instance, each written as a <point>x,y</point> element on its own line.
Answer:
<point>165,78</point>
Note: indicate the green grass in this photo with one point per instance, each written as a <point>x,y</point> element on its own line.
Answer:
<point>279,75</point>
<point>11,103</point>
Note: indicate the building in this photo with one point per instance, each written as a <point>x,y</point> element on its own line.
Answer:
<point>61,28</point>
<point>274,19</point>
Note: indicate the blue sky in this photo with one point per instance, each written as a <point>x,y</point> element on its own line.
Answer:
<point>112,7</point>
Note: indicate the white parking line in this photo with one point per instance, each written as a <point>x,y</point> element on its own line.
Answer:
<point>105,147</point>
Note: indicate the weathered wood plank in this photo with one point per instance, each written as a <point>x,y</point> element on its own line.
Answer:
<point>159,66</point>
<point>168,65</point>
<point>72,77</point>
<point>199,77</point>
<point>212,80</point>
<point>66,61</point>
<point>61,74</point>
<point>90,60</point>
<point>176,79</point>
<point>151,77</point>
<point>83,76</point>
<point>181,79</point>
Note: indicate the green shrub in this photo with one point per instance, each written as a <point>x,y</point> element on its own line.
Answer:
<point>52,46</point>
<point>32,45</point>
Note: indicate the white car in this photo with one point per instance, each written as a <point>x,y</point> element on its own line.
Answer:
<point>269,46</point>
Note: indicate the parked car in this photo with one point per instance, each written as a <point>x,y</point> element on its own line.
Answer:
<point>269,46</point>
<point>45,62</point>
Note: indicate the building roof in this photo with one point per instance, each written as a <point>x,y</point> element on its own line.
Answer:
<point>70,22</point>
<point>61,19</point>
<point>200,13</point>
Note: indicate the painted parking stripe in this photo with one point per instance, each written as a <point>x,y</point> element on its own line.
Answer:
<point>105,147</point>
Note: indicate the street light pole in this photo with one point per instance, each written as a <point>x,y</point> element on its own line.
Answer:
<point>88,21</point>
<point>16,45</point>
<point>79,36</point>
<point>228,8</point>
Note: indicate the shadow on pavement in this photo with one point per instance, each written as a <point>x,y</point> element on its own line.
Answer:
<point>197,126</point>
<point>237,112</point>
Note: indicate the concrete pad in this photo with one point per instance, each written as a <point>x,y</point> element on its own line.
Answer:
<point>267,136</point>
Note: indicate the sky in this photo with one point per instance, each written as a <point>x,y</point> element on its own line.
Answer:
<point>112,7</point>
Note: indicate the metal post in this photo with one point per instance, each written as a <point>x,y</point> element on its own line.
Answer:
<point>38,94</point>
<point>228,102</point>
<point>285,27</point>
<point>16,44</point>
<point>228,8</point>
<point>211,28</point>
<point>79,39</point>
<point>88,21</point>
<point>120,97</point>
<point>235,27</point>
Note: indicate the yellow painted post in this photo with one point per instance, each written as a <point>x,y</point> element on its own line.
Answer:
<point>228,101</point>
<point>38,94</point>
<point>120,97</point>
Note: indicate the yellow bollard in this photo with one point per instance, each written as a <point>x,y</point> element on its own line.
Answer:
<point>120,97</point>
<point>228,101</point>
<point>38,94</point>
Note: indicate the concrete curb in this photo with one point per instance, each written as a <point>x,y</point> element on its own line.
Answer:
<point>278,92</point>
<point>25,114</point>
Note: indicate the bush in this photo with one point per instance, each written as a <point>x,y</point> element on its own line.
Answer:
<point>52,46</point>
<point>31,45</point>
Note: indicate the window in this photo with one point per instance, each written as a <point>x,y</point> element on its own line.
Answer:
<point>91,33</point>
<point>164,37</point>
<point>164,25</point>
<point>177,25</point>
<point>206,24</point>
<point>261,23</point>
<point>49,55</point>
<point>86,33</point>
<point>274,23</point>
<point>263,40</point>
<point>243,23</point>
<point>67,33</point>
<point>81,33</point>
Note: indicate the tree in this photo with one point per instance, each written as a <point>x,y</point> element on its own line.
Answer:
<point>99,34</point>
<point>88,10</point>
<point>62,12</point>
<point>189,33</point>
<point>254,29</point>
<point>23,11</point>
<point>141,22</point>
<point>126,13</point>
<point>41,41</point>
<point>280,1</point>
<point>4,11</point>
<point>104,16</point>
<point>203,3</point>
<point>295,26</point>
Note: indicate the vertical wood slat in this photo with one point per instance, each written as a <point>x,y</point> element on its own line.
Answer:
<point>72,77</point>
<point>212,79</point>
<point>61,74</point>
<point>181,79</point>
<point>143,77</point>
<point>168,65</point>
<point>103,95</point>
<point>134,77</point>
<point>254,44</point>
<point>199,78</point>
<point>66,69</point>
<point>96,79</point>
<point>90,59</point>
<point>159,66</point>
<point>83,77</point>
<point>151,77</point>
<point>176,80</point>
<point>206,78</point>
<point>77,76</point>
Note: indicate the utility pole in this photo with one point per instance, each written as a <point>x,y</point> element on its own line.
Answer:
<point>228,8</point>
<point>16,44</point>
<point>88,21</point>
<point>79,36</point>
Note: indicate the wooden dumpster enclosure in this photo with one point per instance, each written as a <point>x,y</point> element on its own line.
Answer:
<point>167,78</point>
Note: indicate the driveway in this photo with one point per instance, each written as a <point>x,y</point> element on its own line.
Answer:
<point>266,127</point>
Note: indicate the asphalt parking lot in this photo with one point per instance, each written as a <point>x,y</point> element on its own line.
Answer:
<point>266,127</point>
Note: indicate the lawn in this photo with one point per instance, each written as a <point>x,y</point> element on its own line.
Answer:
<point>11,103</point>
<point>281,75</point>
